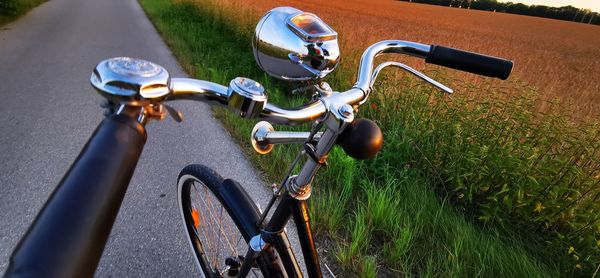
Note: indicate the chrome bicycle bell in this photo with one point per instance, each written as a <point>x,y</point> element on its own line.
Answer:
<point>247,98</point>
<point>293,45</point>
<point>131,81</point>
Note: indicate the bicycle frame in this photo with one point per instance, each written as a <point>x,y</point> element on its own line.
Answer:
<point>273,232</point>
<point>296,191</point>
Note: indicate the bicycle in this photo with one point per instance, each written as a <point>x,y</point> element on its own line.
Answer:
<point>69,234</point>
<point>224,206</point>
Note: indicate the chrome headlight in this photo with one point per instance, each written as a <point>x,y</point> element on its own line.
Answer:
<point>293,45</point>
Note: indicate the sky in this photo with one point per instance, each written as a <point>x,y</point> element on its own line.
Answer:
<point>594,5</point>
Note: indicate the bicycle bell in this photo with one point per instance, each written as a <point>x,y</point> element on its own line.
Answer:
<point>293,45</point>
<point>247,98</point>
<point>131,81</point>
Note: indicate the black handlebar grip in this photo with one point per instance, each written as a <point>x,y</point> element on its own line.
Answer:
<point>69,233</point>
<point>469,61</point>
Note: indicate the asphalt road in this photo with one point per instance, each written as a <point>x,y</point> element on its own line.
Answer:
<point>48,111</point>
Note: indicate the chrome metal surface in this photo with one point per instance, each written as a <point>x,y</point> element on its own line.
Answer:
<point>264,137</point>
<point>298,191</point>
<point>118,79</point>
<point>365,71</point>
<point>346,111</point>
<point>131,81</point>
<point>185,88</point>
<point>324,89</point>
<point>286,50</point>
<point>339,108</point>
<point>300,187</point>
<point>296,116</point>
<point>258,137</point>
<point>188,88</point>
<point>342,112</point>
<point>417,73</point>
<point>247,98</point>
<point>289,137</point>
<point>311,111</point>
<point>135,112</point>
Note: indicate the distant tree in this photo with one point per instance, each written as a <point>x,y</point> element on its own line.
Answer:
<point>486,5</point>
<point>594,19</point>
<point>537,10</point>
<point>569,13</point>
<point>585,13</point>
<point>502,7</point>
<point>517,8</point>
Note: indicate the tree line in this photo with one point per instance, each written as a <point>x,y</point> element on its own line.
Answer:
<point>568,13</point>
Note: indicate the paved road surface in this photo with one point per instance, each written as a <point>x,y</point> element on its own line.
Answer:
<point>48,111</point>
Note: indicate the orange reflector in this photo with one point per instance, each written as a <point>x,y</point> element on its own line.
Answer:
<point>196,218</point>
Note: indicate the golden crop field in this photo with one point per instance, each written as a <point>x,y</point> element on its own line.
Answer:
<point>561,59</point>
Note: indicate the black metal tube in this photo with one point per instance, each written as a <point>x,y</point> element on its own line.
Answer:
<point>69,233</point>
<point>299,210</point>
<point>281,216</point>
<point>249,260</point>
<point>286,254</point>
<point>241,205</point>
<point>311,257</point>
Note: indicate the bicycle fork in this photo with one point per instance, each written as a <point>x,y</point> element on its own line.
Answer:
<point>272,236</point>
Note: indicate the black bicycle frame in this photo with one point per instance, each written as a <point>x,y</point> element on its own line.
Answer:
<point>273,234</point>
<point>295,205</point>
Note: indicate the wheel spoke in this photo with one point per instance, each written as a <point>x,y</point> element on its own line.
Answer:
<point>214,243</point>
<point>214,234</point>
<point>220,229</point>
<point>204,228</point>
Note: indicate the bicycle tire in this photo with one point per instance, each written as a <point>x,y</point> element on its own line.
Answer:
<point>238,223</point>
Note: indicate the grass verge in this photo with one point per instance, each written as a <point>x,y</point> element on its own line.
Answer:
<point>12,9</point>
<point>403,213</point>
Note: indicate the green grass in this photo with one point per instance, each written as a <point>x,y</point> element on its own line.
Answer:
<point>468,185</point>
<point>12,9</point>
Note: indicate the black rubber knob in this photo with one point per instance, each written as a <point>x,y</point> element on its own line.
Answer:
<point>362,139</point>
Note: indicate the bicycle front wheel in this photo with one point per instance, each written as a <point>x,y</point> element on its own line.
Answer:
<point>219,219</point>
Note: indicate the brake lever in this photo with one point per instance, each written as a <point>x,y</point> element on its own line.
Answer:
<point>175,114</point>
<point>415,72</point>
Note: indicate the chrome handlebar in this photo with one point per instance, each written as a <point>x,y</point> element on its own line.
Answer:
<point>137,82</point>
<point>194,89</point>
<point>365,70</point>
<point>187,88</point>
